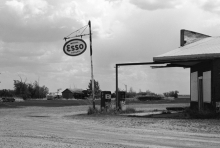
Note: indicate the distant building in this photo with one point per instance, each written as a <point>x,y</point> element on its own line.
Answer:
<point>53,95</point>
<point>74,93</point>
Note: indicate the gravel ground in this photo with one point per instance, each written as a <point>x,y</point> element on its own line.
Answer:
<point>70,127</point>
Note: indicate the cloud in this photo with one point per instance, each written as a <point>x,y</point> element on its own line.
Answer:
<point>212,6</point>
<point>37,21</point>
<point>31,37</point>
<point>48,21</point>
<point>30,7</point>
<point>31,33</point>
<point>154,4</point>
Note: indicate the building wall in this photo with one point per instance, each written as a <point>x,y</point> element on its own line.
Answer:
<point>67,94</point>
<point>194,86</point>
<point>205,70</point>
<point>79,96</point>
<point>202,67</point>
<point>216,80</point>
<point>207,94</point>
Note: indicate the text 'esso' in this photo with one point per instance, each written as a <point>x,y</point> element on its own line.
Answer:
<point>74,47</point>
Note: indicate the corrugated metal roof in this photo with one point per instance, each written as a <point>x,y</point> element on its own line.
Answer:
<point>202,49</point>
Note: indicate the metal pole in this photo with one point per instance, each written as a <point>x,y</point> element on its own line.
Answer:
<point>116,68</point>
<point>93,93</point>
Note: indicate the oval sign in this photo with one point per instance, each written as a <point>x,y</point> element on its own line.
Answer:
<point>74,47</point>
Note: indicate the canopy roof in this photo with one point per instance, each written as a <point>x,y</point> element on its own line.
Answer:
<point>204,49</point>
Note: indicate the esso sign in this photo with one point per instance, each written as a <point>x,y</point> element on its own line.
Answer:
<point>74,47</point>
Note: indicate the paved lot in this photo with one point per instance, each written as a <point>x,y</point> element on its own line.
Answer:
<point>63,127</point>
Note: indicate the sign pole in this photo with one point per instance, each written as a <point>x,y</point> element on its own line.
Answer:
<point>93,93</point>
<point>75,47</point>
<point>116,91</point>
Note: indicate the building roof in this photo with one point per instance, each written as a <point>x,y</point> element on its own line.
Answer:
<point>207,48</point>
<point>75,90</point>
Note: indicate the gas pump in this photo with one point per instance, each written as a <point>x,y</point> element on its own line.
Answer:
<point>105,100</point>
<point>121,99</point>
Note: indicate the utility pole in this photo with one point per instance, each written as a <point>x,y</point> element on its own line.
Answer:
<point>92,76</point>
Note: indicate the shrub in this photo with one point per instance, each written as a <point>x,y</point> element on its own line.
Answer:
<point>91,111</point>
<point>166,112</point>
<point>131,100</point>
<point>171,94</point>
<point>130,94</point>
<point>207,114</point>
<point>148,97</point>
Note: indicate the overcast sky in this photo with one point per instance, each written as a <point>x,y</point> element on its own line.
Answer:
<point>32,32</point>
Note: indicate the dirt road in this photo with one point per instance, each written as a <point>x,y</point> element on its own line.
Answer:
<point>60,127</point>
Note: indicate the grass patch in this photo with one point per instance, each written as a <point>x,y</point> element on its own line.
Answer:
<point>207,114</point>
<point>111,111</point>
<point>48,103</point>
<point>161,101</point>
<point>91,111</point>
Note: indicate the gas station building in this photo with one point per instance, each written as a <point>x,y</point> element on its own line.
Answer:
<point>200,53</point>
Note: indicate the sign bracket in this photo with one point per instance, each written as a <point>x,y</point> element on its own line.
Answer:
<point>90,38</point>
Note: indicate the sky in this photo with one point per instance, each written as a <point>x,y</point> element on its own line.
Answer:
<point>123,31</point>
